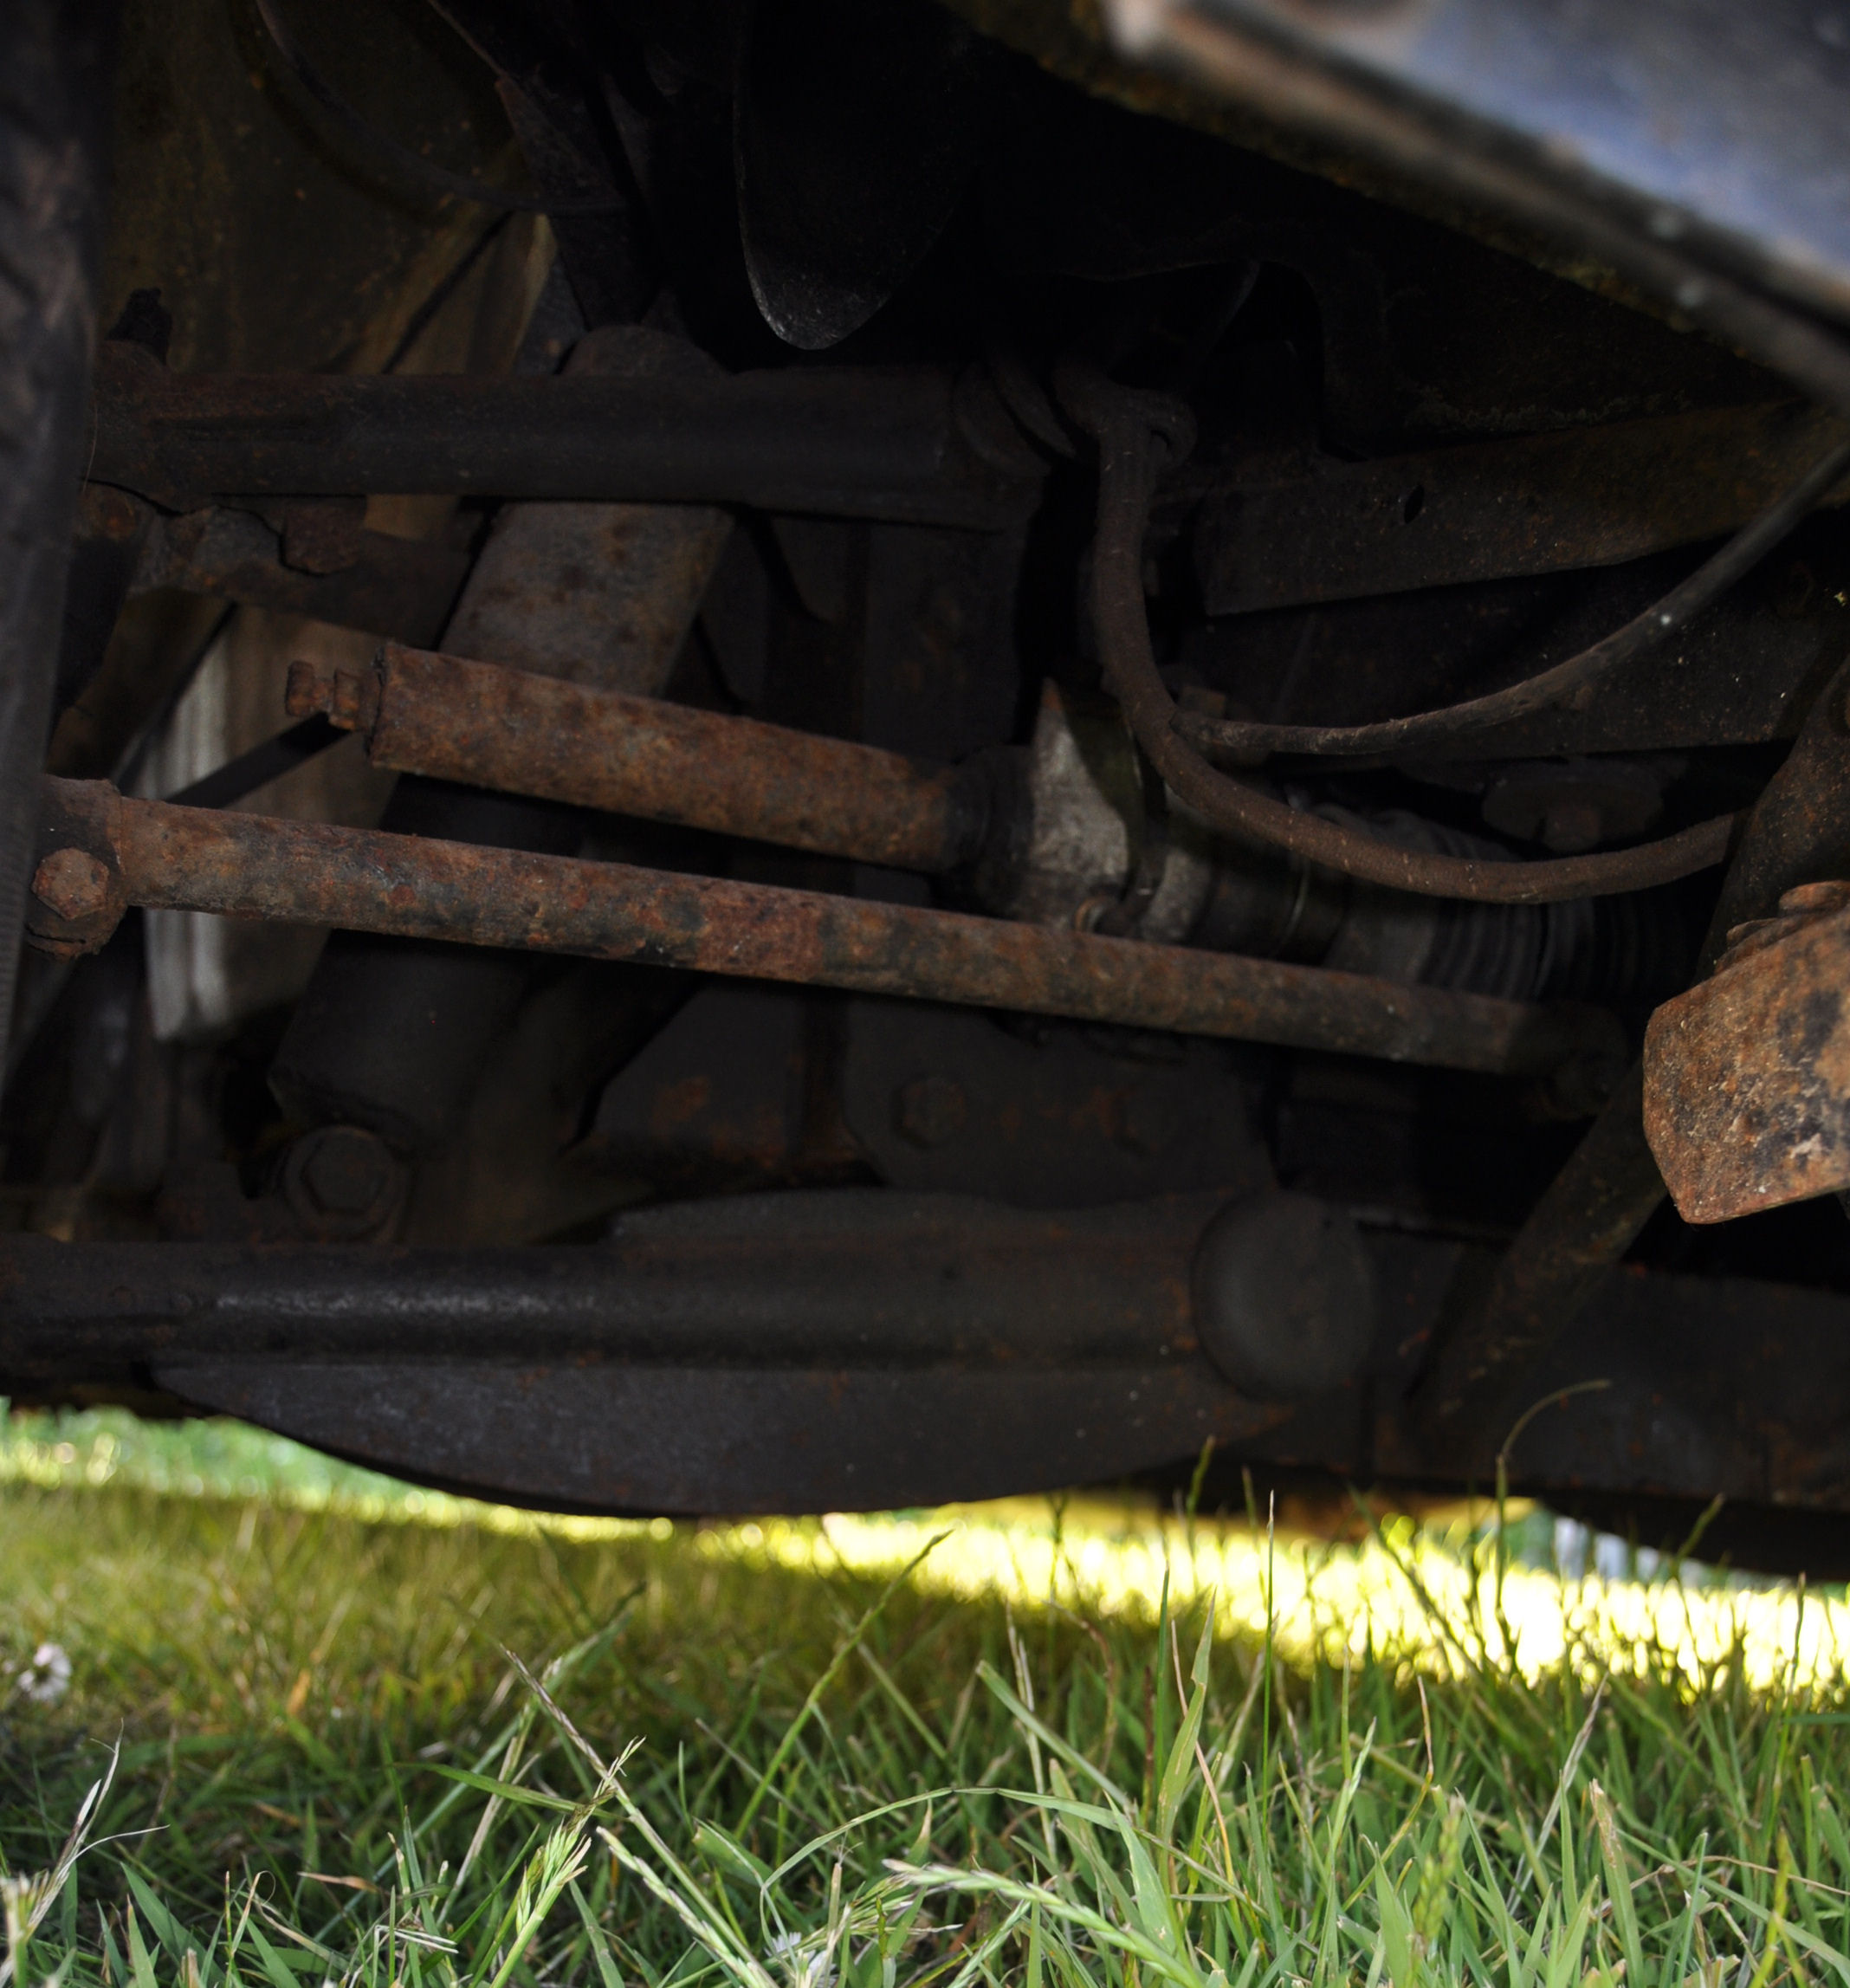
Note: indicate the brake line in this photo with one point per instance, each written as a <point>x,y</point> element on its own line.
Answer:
<point>1139,436</point>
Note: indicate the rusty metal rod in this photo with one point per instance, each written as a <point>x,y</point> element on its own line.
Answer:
<point>477,723</point>
<point>103,853</point>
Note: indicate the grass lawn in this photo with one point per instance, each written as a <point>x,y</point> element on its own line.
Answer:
<point>348,1735</point>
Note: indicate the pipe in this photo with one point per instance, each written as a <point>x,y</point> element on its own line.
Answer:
<point>103,851</point>
<point>520,733</point>
<point>910,445</point>
<point>831,1276</point>
<point>1139,434</point>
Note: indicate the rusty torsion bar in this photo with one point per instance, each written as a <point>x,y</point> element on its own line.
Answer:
<point>104,852</point>
<point>883,442</point>
<point>520,733</point>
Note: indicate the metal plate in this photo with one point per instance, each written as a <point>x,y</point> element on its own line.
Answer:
<point>731,1440</point>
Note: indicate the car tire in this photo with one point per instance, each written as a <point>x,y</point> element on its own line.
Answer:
<point>54,69</point>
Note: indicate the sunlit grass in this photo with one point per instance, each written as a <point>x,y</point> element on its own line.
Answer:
<point>382,1739</point>
<point>1431,1597</point>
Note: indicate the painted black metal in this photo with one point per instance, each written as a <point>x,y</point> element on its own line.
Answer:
<point>891,442</point>
<point>1285,1296</point>
<point>701,1440</point>
<point>866,1348</point>
<point>856,132</point>
<point>859,1275</point>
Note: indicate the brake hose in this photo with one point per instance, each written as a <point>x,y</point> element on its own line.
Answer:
<point>1139,436</point>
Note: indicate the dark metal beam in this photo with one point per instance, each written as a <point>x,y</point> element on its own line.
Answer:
<point>857,1275</point>
<point>1493,510</point>
<point>905,443</point>
<point>351,577</point>
<point>863,1348</point>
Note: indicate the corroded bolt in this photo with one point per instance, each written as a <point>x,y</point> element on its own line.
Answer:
<point>73,883</point>
<point>350,697</point>
<point>112,513</point>
<point>343,1181</point>
<point>928,1110</point>
<point>309,689</point>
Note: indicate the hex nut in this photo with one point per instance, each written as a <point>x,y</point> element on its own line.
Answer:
<point>929,1112</point>
<point>344,1182</point>
<point>72,884</point>
<point>1285,1300</point>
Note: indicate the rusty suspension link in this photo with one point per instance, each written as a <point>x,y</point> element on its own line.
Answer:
<point>441,715</point>
<point>102,851</point>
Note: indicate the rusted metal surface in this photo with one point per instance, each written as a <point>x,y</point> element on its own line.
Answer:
<point>400,587</point>
<point>1489,510</point>
<point>1483,1374</point>
<point>314,873</point>
<point>599,594</point>
<point>522,732</point>
<point>889,443</point>
<point>1747,1076</point>
<point>396,1035</point>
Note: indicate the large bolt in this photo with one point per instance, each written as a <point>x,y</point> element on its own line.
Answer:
<point>73,883</point>
<point>343,1182</point>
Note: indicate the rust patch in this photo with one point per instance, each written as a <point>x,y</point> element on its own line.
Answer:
<point>1747,1076</point>
<point>521,732</point>
<point>315,873</point>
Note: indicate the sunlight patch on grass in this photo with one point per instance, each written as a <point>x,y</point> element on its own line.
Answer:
<point>1437,1603</point>
<point>1407,1596</point>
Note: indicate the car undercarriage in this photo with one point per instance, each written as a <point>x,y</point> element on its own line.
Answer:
<point>812,756</point>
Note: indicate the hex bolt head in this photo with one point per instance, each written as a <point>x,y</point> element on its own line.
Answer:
<point>928,1112</point>
<point>343,1181</point>
<point>73,883</point>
